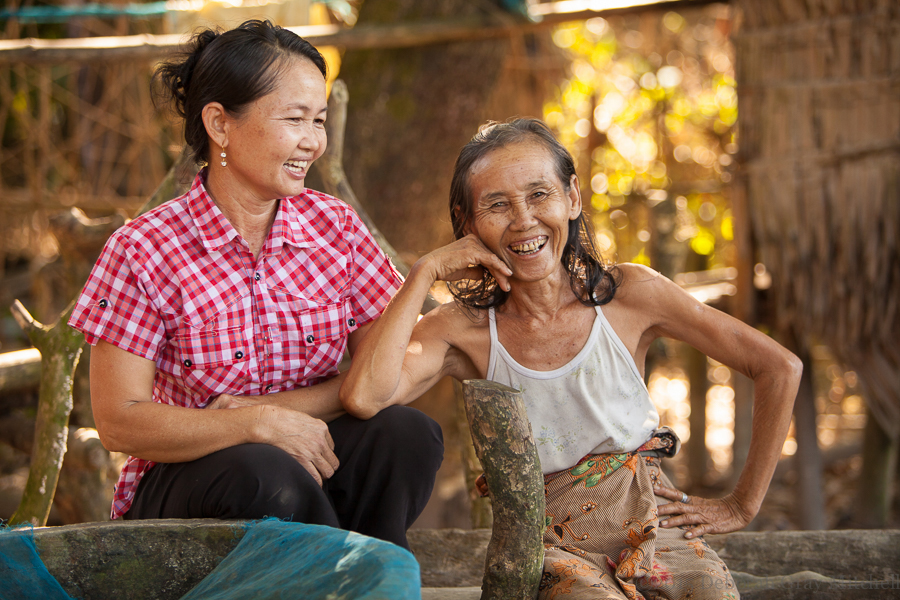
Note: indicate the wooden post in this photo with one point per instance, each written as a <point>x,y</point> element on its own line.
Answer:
<point>698,455</point>
<point>810,507</point>
<point>743,307</point>
<point>60,348</point>
<point>505,445</point>
<point>877,476</point>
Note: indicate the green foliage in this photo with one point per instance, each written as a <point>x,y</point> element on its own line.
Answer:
<point>649,110</point>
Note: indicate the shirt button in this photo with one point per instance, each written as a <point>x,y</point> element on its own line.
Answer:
<point>351,322</point>
<point>188,363</point>
<point>103,303</point>
<point>257,277</point>
<point>310,339</point>
<point>239,355</point>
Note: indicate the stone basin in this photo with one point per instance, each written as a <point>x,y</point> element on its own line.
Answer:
<point>164,559</point>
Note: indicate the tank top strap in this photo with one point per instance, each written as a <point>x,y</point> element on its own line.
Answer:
<point>618,343</point>
<point>495,344</point>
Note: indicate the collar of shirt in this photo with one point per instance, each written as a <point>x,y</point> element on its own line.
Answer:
<point>215,231</point>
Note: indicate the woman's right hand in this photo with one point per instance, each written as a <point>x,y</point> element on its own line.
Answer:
<point>464,259</point>
<point>305,438</point>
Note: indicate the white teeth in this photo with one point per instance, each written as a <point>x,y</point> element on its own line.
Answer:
<point>529,247</point>
<point>296,165</point>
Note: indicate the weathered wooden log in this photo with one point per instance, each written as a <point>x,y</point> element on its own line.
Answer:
<point>60,348</point>
<point>505,446</point>
<point>20,369</point>
<point>481,516</point>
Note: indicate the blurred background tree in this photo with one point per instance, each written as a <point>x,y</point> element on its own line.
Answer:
<point>650,109</point>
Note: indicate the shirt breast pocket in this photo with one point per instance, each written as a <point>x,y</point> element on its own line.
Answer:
<point>315,336</point>
<point>213,362</point>
<point>326,327</point>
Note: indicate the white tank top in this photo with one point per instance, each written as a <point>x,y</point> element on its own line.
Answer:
<point>596,404</point>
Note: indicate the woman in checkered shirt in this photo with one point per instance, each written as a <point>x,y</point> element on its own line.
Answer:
<point>219,318</point>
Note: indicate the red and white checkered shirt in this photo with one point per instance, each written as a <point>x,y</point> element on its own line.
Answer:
<point>179,286</point>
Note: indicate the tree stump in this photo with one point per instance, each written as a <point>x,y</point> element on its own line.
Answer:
<point>505,446</point>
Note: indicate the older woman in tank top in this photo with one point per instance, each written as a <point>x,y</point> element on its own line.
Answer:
<point>537,309</point>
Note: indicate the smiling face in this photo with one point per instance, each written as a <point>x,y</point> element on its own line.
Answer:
<point>521,209</point>
<point>271,145</point>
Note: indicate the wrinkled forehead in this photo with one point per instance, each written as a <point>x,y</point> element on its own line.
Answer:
<point>515,165</point>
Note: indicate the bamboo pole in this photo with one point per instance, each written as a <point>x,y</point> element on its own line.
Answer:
<point>399,35</point>
<point>505,445</point>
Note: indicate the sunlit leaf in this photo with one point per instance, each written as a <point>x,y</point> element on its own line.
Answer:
<point>704,242</point>
<point>600,202</point>
<point>641,258</point>
<point>727,226</point>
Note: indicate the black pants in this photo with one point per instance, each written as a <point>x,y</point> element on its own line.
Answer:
<point>387,471</point>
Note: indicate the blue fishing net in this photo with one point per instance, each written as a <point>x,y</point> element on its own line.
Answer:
<point>274,560</point>
<point>282,560</point>
<point>22,573</point>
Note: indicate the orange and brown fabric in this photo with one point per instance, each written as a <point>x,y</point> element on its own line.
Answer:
<point>603,539</point>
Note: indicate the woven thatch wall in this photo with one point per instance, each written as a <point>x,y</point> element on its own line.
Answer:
<point>819,89</point>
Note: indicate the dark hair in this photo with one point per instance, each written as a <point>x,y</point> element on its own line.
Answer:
<point>593,282</point>
<point>233,68</point>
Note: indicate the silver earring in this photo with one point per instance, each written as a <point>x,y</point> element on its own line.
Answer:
<point>224,164</point>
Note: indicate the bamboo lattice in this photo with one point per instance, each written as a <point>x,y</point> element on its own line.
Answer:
<point>76,135</point>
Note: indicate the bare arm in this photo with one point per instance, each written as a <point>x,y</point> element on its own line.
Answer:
<point>776,376</point>
<point>400,359</point>
<point>129,421</point>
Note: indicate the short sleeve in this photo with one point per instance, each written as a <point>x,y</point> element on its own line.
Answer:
<point>374,280</point>
<point>114,305</point>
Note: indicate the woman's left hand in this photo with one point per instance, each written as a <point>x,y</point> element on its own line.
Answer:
<point>701,515</point>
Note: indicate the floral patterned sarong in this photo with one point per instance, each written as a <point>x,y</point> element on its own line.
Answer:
<point>603,539</point>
